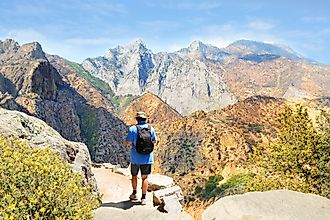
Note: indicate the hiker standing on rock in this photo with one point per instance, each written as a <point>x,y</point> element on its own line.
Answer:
<point>141,139</point>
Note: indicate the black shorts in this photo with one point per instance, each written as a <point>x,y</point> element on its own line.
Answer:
<point>144,168</point>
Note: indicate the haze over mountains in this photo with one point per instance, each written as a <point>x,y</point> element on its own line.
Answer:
<point>208,77</point>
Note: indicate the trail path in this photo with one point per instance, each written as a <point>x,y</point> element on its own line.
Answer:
<point>116,189</point>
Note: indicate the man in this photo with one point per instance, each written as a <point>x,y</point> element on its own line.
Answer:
<point>141,161</point>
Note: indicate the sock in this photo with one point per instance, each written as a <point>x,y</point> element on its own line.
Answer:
<point>143,196</point>
<point>134,191</point>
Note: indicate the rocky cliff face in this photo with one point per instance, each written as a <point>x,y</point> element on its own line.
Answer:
<point>38,134</point>
<point>135,69</point>
<point>280,77</point>
<point>69,72</point>
<point>61,98</point>
<point>204,77</point>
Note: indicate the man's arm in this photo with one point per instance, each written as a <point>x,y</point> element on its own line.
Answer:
<point>153,136</point>
<point>129,139</point>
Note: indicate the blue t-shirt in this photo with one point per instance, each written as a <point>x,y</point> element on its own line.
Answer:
<point>137,158</point>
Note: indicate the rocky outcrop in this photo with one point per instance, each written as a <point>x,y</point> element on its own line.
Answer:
<point>169,199</point>
<point>276,205</point>
<point>185,83</point>
<point>38,134</point>
<point>159,113</point>
<point>158,181</point>
<point>62,98</point>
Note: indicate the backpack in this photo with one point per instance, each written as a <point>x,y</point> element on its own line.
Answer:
<point>144,144</point>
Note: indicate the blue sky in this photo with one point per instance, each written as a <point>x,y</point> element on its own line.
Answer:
<point>87,28</point>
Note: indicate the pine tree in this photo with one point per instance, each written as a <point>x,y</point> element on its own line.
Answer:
<point>298,159</point>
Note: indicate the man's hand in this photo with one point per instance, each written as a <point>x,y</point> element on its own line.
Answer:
<point>128,144</point>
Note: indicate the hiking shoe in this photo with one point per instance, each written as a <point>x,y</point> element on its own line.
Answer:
<point>143,202</point>
<point>133,197</point>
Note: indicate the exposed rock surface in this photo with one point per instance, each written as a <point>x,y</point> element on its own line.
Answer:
<point>38,134</point>
<point>158,181</point>
<point>275,205</point>
<point>70,74</point>
<point>187,84</point>
<point>62,98</point>
<point>116,189</point>
<point>204,77</point>
<point>169,199</point>
<point>281,77</point>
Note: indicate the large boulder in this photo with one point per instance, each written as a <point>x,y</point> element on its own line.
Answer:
<point>169,199</point>
<point>38,134</point>
<point>274,205</point>
<point>158,181</point>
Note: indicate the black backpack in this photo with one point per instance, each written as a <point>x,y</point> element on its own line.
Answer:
<point>144,144</point>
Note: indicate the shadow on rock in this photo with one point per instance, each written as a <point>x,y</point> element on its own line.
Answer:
<point>121,205</point>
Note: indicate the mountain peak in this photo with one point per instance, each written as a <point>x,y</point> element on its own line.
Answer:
<point>8,44</point>
<point>197,45</point>
<point>244,47</point>
<point>136,44</point>
<point>32,50</point>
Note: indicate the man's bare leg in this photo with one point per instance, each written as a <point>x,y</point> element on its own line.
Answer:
<point>134,186</point>
<point>144,188</point>
<point>144,184</point>
<point>134,182</point>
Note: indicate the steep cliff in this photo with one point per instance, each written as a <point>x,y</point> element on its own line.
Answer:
<point>62,98</point>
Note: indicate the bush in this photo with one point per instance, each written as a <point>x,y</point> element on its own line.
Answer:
<point>36,184</point>
<point>234,185</point>
<point>300,157</point>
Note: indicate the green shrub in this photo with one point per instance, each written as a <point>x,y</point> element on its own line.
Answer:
<point>258,128</point>
<point>300,157</point>
<point>36,184</point>
<point>212,184</point>
<point>235,184</point>
<point>121,102</point>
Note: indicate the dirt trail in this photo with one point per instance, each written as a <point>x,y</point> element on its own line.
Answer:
<point>116,189</point>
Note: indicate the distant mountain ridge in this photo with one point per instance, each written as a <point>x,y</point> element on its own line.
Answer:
<point>176,79</point>
<point>204,77</point>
